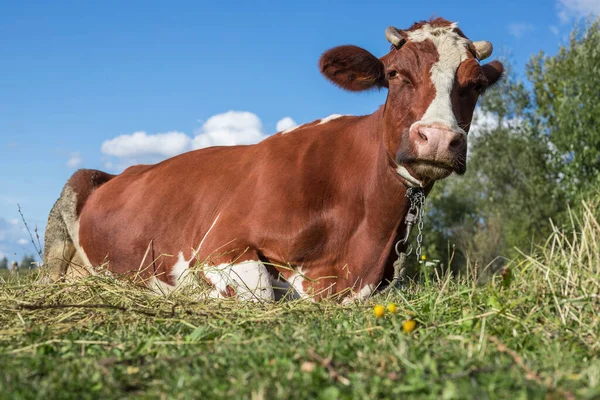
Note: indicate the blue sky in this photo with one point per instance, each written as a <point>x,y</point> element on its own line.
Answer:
<point>106,84</point>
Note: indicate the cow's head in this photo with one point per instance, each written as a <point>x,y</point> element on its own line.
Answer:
<point>434,80</point>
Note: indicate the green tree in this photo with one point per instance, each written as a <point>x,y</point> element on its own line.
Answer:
<point>566,91</point>
<point>4,263</point>
<point>508,194</point>
<point>540,152</point>
<point>26,262</point>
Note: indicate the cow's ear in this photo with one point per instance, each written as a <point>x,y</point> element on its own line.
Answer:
<point>352,68</point>
<point>493,72</point>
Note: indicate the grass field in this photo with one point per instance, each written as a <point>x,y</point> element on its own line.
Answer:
<point>533,336</point>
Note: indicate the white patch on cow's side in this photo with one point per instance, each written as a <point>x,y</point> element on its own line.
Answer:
<point>452,51</point>
<point>362,294</point>
<point>180,271</point>
<point>291,129</point>
<point>411,180</point>
<point>72,222</point>
<point>297,280</point>
<point>250,280</point>
<point>160,287</point>
<point>365,292</point>
<point>330,118</point>
<point>78,248</point>
<point>321,122</point>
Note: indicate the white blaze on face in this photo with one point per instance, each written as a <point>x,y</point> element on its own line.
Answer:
<point>452,51</point>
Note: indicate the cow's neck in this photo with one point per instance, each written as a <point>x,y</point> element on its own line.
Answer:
<point>386,199</point>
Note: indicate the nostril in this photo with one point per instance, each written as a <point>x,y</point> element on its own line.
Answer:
<point>422,136</point>
<point>456,142</point>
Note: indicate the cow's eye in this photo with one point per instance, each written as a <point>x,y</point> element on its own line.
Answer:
<point>472,88</point>
<point>393,74</point>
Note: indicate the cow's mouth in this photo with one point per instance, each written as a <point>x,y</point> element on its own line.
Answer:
<point>431,170</point>
<point>419,173</point>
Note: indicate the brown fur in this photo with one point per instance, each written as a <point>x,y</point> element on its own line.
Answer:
<point>352,68</point>
<point>325,197</point>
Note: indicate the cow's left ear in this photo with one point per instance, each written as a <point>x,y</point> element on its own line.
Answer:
<point>352,68</point>
<point>493,71</point>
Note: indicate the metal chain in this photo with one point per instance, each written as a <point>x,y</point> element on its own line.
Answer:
<point>420,198</point>
<point>415,213</point>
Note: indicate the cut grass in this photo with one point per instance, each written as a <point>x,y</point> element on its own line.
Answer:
<point>535,337</point>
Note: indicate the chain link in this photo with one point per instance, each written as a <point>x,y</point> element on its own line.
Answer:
<point>417,205</point>
<point>414,216</point>
<point>421,206</point>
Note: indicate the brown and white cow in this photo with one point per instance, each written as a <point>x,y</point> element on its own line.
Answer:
<point>319,206</point>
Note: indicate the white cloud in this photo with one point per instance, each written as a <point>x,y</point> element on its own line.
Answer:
<point>285,123</point>
<point>75,160</point>
<point>22,241</point>
<point>554,29</point>
<point>141,144</point>
<point>226,129</point>
<point>568,9</point>
<point>518,29</point>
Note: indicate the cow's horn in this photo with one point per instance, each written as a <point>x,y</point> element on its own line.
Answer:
<point>393,36</point>
<point>483,49</point>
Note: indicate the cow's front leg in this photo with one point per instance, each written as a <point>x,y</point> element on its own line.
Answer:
<point>246,278</point>
<point>320,282</point>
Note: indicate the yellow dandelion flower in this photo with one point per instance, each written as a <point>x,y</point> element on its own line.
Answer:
<point>132,370</point>
<point>423,257</point>
<point>392,308</point>
<point>379,311</point>
<point>409,325</point>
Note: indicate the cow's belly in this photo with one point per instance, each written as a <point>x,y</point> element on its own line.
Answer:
<point>126,233</point>
<point>164,264</point>
<point>129,230</point>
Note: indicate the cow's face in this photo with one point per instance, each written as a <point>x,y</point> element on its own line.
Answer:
<point>434,80</point>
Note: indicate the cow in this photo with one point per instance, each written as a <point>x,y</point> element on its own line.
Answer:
<point>318,207</point>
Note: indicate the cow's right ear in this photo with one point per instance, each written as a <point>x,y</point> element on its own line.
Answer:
<point>352,68</point>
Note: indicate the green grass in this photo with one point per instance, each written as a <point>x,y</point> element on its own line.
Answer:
<point>536,336</point>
